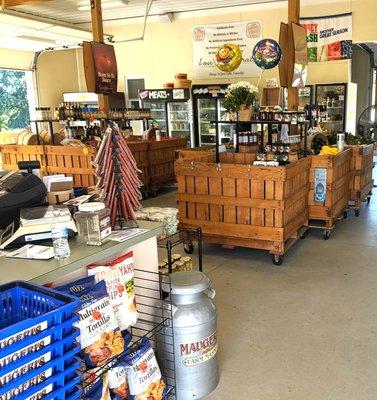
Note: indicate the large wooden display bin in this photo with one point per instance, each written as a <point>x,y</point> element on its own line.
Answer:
<point>323,215</point>
<point>161,158</point>
<point>11,154</point>
<point>238,204</point>
<point>361,183</point>
<point>139,149</point>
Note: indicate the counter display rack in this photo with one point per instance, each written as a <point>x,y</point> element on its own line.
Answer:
<point>300,128</point>
<point>155,316</point>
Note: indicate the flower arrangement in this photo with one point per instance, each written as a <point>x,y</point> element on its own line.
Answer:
<point>241,95</point>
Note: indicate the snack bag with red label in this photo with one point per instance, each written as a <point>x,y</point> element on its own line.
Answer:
<point>118,382</point>
<point>100,337</point>
<point>144,375</point>
<point>119,277</point>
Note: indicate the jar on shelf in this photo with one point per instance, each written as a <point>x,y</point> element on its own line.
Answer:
<point>171,220</point>
<point>93,223</point>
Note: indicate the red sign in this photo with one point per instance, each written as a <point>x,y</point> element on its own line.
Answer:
<point>101,72</point>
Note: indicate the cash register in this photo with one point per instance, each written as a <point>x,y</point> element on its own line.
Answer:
<point>25,191</point>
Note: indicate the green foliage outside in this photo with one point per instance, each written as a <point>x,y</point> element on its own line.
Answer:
<point>14,109</point>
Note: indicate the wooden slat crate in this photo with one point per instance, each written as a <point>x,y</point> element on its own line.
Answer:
<point>362,165</point>
<point>238,204</point>
<point>337,190</point>
<point>161,158</point>
<point>12,154</point>
<point>139,150</point>
<point>196,152</point>
<point>71,161</point>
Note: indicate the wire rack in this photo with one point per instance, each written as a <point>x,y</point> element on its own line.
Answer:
<point>155,323</point>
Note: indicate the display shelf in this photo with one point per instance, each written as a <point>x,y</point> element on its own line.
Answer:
<point>155,316</point>
<point>48,271</point>
<point>187,237</point>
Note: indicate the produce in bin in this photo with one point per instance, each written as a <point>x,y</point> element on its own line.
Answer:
<point>118,179</point>
<point>119,278</point>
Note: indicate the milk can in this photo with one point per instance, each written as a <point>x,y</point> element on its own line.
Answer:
<point>194,333</point>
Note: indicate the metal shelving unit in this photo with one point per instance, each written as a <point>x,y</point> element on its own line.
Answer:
<point>155,322</point>
<point>187,238</point>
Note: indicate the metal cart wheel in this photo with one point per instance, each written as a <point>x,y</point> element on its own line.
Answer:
<point>189,248</point>
<point>277,259</point>
<point>345,214</point>
<point>357,212</point>
<point>304,235</point>
<point>326,234</point>
<point>154,193</point>
<point>368,199</point>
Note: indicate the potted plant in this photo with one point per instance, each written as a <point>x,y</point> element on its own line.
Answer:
<point>241,98</point>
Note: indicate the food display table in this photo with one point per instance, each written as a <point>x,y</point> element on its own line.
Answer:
<point>144,248</point>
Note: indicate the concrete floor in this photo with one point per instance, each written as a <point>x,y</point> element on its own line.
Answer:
<point>305,330</point>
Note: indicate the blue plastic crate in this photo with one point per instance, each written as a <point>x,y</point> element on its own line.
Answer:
<point>34,343</point>
<point>39,375</point>
<point>27,309</point>
<point>32,362</point>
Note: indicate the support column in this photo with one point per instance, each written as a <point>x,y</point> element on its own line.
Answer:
<point>293,16</point>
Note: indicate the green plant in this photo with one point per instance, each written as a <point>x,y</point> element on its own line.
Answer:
<point>240,94</point>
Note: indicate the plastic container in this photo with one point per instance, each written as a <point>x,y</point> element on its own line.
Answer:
<point>171,220</point>
<point>93,223</point>
<point>59,235</point>
<point>27,310</point>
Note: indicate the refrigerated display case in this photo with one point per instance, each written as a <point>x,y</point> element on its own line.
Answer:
<point>207,101</point>
<point>170,108</point>
<point>334,97</point>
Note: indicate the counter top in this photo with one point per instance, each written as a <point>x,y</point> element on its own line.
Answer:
<point>41,272</point>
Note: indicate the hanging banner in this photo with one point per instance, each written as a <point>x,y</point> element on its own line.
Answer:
<point>207,40</point>
<point>100,65</point>
<point>329,38</point>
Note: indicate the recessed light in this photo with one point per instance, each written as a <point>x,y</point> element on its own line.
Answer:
<point>108,5</point>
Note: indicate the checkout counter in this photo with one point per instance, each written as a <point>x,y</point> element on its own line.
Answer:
<point>144,247</point>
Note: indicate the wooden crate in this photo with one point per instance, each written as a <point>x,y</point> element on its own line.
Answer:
<point>71,161</point>
<point>161,158</point>
<point>337,190</point>
<point>361,183</point>
<point>139,149</point>
<point>238,204</point>
<point>12,154</point>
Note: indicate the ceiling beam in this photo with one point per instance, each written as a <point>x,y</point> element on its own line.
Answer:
<point>13,3</point>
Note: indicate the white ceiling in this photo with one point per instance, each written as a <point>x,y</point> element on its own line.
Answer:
<point>66,10</point>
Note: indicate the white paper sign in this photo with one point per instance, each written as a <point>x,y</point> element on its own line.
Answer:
<point>208,38</point>
<point>320,181</point>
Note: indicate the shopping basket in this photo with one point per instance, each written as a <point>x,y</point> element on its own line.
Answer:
<point>27,310</point>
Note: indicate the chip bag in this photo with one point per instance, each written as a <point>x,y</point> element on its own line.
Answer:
<point>119,277</point>
<point>76,287</point>
<point>100,337</point>
<point>99,390</point>
<point>144,375</point>
<point>118,382</point>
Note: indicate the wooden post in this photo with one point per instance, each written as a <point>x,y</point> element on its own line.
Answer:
<point>97,29</point>
<point>293,16</point>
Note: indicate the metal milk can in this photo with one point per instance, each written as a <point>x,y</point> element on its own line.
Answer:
<point>194,336</point>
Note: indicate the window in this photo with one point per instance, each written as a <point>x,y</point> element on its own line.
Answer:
<point>17,100</point>
<point>133,85</point>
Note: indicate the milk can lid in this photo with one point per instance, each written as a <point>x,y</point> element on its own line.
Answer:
<point>189,282</point>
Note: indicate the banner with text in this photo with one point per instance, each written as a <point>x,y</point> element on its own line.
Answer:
<point>208,38</point>
<point>329,38</point>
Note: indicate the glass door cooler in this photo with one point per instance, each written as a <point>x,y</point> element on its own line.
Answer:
<point>207,102</point>
<point>305,96</point>
<point>334,97</point>
<point>158,114</point>
<point>179,121</point>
